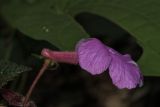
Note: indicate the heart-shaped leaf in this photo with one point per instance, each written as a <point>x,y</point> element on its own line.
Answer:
<point>53,20</point>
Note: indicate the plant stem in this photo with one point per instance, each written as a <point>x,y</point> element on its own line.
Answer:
<point>44,67</point>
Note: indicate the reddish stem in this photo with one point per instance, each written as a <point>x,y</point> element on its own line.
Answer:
<point>44,67</point>
<point>64,57</point>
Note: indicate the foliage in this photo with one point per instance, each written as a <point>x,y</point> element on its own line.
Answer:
<point>53,21</point>
<point>9,70</point>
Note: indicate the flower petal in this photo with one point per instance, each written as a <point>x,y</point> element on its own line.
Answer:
<point>93,56</point>
<point>124,72</point>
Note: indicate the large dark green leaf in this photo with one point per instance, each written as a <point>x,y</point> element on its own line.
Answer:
<point>9,71</point>
<point>44,20</point>
<point>52,20</point>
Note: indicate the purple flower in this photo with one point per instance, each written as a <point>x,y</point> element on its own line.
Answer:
<point>95,57</point>
<point>124,72</point>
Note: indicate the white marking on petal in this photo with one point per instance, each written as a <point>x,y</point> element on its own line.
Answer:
<point>110,50</point>
<point>132,62</point>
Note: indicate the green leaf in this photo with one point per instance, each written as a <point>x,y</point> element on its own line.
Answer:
<point>9,70</point>
<point>53,20</point>
<point>43,20</point>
